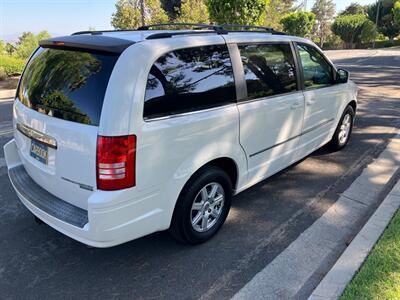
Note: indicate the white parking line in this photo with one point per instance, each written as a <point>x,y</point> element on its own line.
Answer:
<point>7,100</point>
<point>6,132</point>
<point>288,274</point>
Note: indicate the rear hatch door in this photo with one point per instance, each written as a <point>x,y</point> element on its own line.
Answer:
<point>57,113</point>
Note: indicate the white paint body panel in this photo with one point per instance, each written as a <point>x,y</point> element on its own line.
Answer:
<point>270,129</point>
<point>74,159</point>
<point>169,150</point>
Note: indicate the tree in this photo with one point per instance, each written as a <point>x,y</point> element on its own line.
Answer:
<point>350,28</point>
<point>396,12</point>
<point>275,11</point>
<point>324,11</point>
<point>193,11</point>
<point>128,13</point>
<point>171,7</point>
<point>43,35</point>
<point>353,9</point>
<point>243,12</point>
<point>9,48</point>
<point>369,32</point>
<point>27,43</point>
<point>2,47</point>
<point>386,23</point>
<point>298,23</point>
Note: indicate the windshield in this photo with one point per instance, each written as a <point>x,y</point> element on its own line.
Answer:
<point>65,84</point>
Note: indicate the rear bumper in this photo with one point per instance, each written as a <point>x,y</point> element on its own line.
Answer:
<point>40,198</point>
<point>112,218</point>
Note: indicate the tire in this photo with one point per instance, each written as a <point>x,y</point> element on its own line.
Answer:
<point>343,131</point>
<point>195,202</point>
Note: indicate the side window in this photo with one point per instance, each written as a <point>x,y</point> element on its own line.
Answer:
<point>188,80</point>
<point>269,69</point>
<point>317,71</point>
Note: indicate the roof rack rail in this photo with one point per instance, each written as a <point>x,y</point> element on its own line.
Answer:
<point>195,26</point>
<point>99,32</point>
<point>249,27</point>
<point>195,29</point>
<point>220,28</point>
<point>162,35</point>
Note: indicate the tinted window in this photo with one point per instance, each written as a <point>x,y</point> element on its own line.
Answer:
<point>317,71</point>
<point>268,69</point>
<point>69,85</point>
<point>189,79</point>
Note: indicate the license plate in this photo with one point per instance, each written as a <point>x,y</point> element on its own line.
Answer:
<point>39,151</point>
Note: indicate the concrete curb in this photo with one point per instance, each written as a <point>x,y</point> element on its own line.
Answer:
<point>334,283</point>
<point>295,272</point>
<point>6,94</point>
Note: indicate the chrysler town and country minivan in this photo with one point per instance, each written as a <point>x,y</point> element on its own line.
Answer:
<point>119,134</point>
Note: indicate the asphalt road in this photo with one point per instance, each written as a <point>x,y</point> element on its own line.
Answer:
<point>38,262</point>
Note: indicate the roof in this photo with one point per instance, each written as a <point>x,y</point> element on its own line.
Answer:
<point>141,35</point>
<point>116,41</point>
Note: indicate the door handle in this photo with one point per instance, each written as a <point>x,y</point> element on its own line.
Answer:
<point>295,105</point>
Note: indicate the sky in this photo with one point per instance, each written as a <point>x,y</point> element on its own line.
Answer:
<point>61,17</point>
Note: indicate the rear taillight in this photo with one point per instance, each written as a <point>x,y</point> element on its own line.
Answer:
<point>116,157</point>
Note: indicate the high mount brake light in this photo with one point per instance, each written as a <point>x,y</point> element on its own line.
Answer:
<point>116,160</point>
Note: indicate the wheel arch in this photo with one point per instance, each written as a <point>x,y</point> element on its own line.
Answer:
<point>353,104</point>
<point>227,164</point>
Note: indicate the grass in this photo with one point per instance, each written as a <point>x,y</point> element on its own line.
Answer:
<point>379,277</point>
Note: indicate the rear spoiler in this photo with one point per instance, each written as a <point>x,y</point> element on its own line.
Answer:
<point>98,43</point>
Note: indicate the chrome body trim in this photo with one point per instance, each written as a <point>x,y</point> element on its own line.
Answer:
<point>37,135</point>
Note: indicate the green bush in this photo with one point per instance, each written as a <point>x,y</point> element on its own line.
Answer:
<point>11,66</point>
<point>351,27</point>
<point>388,44</point>
<point>299,23</point>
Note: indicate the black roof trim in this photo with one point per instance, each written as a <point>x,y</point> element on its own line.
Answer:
<point>100,32</point>
<point>97,43</point>
<point>162,35</point>
<point>210,28</point>
<point>221,29</point>
<point>247,28</point>
<point>195,26</point>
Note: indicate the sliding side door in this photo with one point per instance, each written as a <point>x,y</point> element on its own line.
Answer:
<point>271,116</point>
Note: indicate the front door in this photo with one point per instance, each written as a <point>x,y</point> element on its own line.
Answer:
<point>322,98</point>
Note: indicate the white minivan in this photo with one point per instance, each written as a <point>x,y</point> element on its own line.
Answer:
<point>119,134</point>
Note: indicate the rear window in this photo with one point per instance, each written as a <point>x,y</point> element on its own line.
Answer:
<point>65,84</point>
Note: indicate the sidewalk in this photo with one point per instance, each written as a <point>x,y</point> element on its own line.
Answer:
<point>7,87</point>
<point>296,271</point>
<point>335,282</point>
<point>6,94</point>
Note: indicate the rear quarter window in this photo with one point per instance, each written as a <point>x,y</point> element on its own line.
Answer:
<point>188,80</point>
<point>65,84</point>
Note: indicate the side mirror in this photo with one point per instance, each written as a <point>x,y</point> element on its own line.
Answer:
<point>342,76</point>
